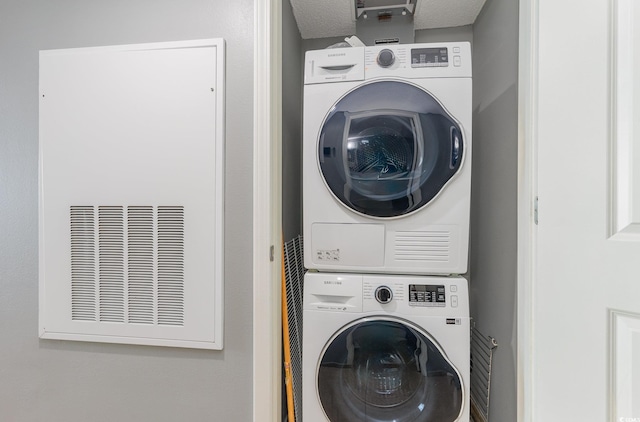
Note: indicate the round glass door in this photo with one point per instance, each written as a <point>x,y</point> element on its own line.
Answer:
<point>387,370</point>
<point>388,148</point>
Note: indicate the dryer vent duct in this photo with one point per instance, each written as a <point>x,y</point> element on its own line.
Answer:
<point>385,21</point>
<point>383,9</point>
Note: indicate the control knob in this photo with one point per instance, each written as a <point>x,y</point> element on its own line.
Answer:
<point>384,294</point>
<point>386,58</point>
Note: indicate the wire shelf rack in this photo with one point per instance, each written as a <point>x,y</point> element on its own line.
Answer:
<point>482,348</point>
<point>294,276</point>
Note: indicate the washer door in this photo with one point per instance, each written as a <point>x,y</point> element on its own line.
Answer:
<point>388,148</point>
<point>386,369</point>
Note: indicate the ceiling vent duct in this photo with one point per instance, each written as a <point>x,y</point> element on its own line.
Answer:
<point>385,21</point>
<point>383,9</point>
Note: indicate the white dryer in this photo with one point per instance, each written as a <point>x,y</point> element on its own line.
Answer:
<point>387,158</point>
<point>385,348</point>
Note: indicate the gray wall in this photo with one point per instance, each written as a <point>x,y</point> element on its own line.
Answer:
<point>493,246</point>
<point>455,34</point>
<point>44,380</point>
<point>319,43</point>
<point>292,69</point>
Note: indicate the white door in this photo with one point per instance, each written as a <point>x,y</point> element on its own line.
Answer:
<point>584,320</point>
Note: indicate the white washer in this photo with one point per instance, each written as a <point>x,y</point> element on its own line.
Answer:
<point>385,348</point>
<point>387,159</point>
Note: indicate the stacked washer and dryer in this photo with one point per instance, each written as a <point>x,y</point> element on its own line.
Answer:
<point>386,186</point>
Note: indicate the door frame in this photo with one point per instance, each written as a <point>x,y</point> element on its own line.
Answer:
<point>527,201</point>
<point>267,212</point>
<point>267,208</point>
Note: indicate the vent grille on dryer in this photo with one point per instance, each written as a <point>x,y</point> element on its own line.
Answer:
<point>433,246</point>
<point>127,264</point>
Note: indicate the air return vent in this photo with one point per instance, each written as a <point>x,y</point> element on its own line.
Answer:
<point>138,276</point>
<point>131,194</point>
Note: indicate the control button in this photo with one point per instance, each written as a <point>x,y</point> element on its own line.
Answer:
<point>384,294</point>
<point>456,61</point>
<point>454,301</point>
<point>456,49</point>
<point>386,58</point>
<point>454,288</point>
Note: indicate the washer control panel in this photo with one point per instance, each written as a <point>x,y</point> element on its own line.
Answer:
<point>409,295</point>
<point>427,295</point>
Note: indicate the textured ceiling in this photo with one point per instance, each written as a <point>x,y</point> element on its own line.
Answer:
<point>332,18</point>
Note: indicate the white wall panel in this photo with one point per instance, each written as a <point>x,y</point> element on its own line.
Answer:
<point>126,129</point>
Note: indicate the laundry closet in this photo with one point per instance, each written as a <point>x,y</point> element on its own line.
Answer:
<point>493,36</point>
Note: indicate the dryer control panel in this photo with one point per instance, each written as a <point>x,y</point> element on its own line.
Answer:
<point>411,61</point>
<point>427,295</point>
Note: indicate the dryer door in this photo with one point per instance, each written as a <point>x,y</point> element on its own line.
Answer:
<point>386,369</point>
<point>388,148</point>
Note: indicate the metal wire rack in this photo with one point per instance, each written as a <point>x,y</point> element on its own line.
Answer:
<point>294,276</point>
<point>482,348</point>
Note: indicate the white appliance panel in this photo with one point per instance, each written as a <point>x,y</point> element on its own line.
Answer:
<point>444,321</point>
<point>432,239</point>
<point>358,244</point>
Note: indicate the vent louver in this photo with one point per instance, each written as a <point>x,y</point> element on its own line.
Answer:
<point>431,246</point>
<point>141,264</point>
<point>83,264</point>
<point>127,264</point>
<point>111,263</point>
<point>170,265</point>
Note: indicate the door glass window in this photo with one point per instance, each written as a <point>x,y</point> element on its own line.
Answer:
<point>386,370</point>
<point>388,148</point>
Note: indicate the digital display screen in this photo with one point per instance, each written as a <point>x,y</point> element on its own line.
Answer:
<point>429,57</point>
<point>423,294</point>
